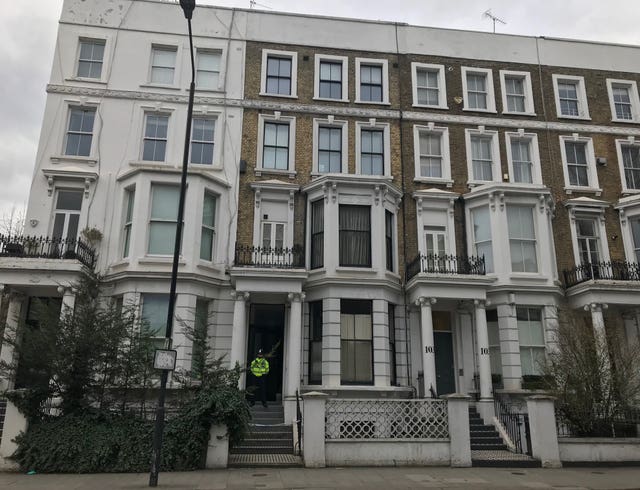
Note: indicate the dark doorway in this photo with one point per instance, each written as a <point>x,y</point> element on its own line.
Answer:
<point>266,332</point>
<point>445,382</point>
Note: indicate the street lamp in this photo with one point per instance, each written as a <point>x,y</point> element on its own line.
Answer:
<point>164,355</point>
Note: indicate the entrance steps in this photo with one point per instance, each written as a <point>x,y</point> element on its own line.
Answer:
<point>269,441</point>
<point>489,450</point>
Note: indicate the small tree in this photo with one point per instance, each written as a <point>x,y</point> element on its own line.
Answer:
<point>595,385</point>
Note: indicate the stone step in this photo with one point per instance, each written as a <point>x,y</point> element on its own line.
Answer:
<point>502,459</point>
<point>269,435</point>
<point>273,449</point>
<point>488,447</point>
<point>264,460</point>
<point>271,428</point>
<point>280,442</point>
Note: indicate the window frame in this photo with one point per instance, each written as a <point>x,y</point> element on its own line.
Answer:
<point>521,240</point>
<point>496,167</point>
<point>176,65</point>
<point>369,264</point>
<point>209,227</point>
<point>581,210</point>
<point>634,100</point>
<point>542,346</point>
<point>442,85</point>
<point>293,56</point>
<point>204,117</point>
<point>79,60</point>
<point>277,119</point>
<point>445,154</point>
<point>491,97</point>
<point>314,339</point>
<point>390,241</point>
<point>529,109</point>
<point>127,226</point>
<point>375,126</point>
<point>581,94</point>
<point>151,220</point>
<point>592,174</point>
<point>343,306</point>
<point>143,299</point>
<point>629,210</point>
<point>313,234</point>
<point>67,131</point>
<point>344,61</point>
<point>332,123</point>
<point>490,263</point>
<point>534,152</point>
<point>218,52</point>
<point>144,137</point>
<point>619,144</point>
<point>384,64</point>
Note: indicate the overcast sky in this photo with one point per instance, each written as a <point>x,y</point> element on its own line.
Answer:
<point>28,31</point>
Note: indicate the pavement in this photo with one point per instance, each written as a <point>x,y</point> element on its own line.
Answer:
<point>330,478</point>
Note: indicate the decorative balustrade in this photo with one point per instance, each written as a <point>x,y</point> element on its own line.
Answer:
<point>615,270</point>
<point>275,257</point>
<point>386,419</point>
<point>445,264</point>
<point>47,248</point>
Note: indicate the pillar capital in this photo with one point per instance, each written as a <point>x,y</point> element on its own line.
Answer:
<point>296,297</point>
<point>479,303</point>
<point>426,301</point>
<point>240,295</point>
<point>596,307</point>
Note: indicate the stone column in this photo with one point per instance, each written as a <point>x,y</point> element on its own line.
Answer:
<point>459,433</point>
<point>544,436</point>
<point>331,342</point>
<point>7,352</point>
<point>185,310</point>
<point>381,353</point>
<point>68,300</point>
<point>294,356</point>
<point>600,335</point>
<point>238,353</point>
<point>313,429</point>
<point>551,323</point>
<point>485,405</point>
<point>510,345</point>
<point>428,349</point>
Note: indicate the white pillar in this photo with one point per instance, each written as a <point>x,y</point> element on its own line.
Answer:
<point>184,317</point>
<point>509,345</point>
<point>381,353</point>
<point>459,432</point>
<point>484,359</point>
<point>544,436</point>
<point>313,429</point>
<point>7,352</point>
<point>14,423</point>
<point>238,353</point>
<point>552,324</point>
<point>602,348</point>
<point>428,349</point>
<point>68,300</point>
<point>294,356</point>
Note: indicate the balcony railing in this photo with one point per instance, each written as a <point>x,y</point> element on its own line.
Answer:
<point>445,264</point>
<point>615,270</point>
<point>47,248</point>
<point>277,258</point>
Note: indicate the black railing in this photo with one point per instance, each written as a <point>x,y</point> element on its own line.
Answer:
<point>445,264</point>
<point>47,248</point>
<point>279,258</point>
<point>615,270</point>
<point>299,422</point>
<point>598,423</point>
<point>515,424</point>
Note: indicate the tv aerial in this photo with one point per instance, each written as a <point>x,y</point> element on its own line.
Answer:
<point>488,15</point>
<point>253,3</point>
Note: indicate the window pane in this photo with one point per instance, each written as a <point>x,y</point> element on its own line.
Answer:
<point>164,202</point>
<point>209,210</point>
<point>155,308</point>
<point>206,244</point>
<point>162,237</point>
<point>69,200</point>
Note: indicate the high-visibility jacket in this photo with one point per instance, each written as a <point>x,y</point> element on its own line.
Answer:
<point>259,366</point>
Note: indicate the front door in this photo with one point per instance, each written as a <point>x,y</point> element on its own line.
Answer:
<point>266,332</point>
<point>443,343</point>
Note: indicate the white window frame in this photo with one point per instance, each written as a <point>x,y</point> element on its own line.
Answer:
<point>592,173</point>
<point>276,118</point>
<point>530,347</point>
<point>94,40</point>
<point>633,97</point>
<point>345,76</point>
<point>581,93</point>
<point>442,85</point>
<point>385,79</point>
<point>144,129</point>
<point>529,109</point>
<point>491,97</point>
<point>330,122</point>
<point>127,221</point>
<point>216,147</point>
<point>360,125</point>
<point>631,141</point>
<point>430,204</point>
<point>532,138</point>
<point>471,238</point>
<point>496,169</point>
<point>213,229</point>
<point>446,156</point>
<point>588,212</point>
<point>294,72</point>
<point>95,130</point>
<point>629,209</point>
<point>176,66</point>
<point>535,240</point>
<point>203,50</point>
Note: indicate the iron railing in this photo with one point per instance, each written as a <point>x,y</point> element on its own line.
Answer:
<point>445,264</point>
<point>598,423</point>
<point>47,248</point>
<point>275,257</point>
<point>299,422</point>
<point>515,424</point>
<point>615,270</point>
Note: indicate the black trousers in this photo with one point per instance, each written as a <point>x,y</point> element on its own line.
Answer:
<point>261,388</point>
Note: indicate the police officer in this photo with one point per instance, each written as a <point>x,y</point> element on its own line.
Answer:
<point>260,369</point>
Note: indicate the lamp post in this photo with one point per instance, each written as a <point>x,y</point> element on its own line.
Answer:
<point>163,357</point>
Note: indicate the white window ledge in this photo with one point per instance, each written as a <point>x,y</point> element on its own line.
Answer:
<point>424,106</point>
<point>270,171</point>
<point>356,270</point>
<point>160,85</point>
<point>431,180</point>
<point>512,113</point>
<point>160,260</point>
<point>531,277</point>
<point>324,99</point>
<point>96,81</point>
<point>73,159</point>
<point>372,103</point>
<point>490,111</point>
<point>208,266</point>
<point>266,94</point>
<point>591,190</point>
<point>580,118</point>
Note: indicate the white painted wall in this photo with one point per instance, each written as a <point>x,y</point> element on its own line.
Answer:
<point>599,450</point>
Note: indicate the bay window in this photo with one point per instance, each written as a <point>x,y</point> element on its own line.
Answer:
<point>354,236</point>
<point>163,220</point>
<point>522,239</point>
<point>356,342</point>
